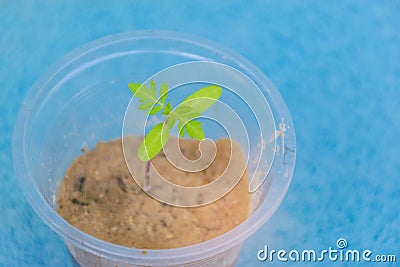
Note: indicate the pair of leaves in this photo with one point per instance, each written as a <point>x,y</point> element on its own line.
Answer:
<point>185,113</point>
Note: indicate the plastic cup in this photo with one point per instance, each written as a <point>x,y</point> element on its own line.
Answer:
<point>82,99</point>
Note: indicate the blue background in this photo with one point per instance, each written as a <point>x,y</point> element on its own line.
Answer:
<point>336,63</point>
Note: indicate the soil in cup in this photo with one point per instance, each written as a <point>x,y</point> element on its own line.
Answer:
<point>99,196</point>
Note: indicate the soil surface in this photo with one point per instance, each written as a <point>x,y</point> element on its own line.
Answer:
<point>99,196</point>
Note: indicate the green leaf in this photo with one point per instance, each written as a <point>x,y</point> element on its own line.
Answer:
<point>167,109</point>
<point>141,92</point>
<point>194,130</point>
<point>134,87</point>
<point>147,97</point>
<point>190,115</point>
<point>171,122</point>
<point>153,89</point>
<point>202,99</point>
<point>154,141</point>
<point>163,92</point>
<point>154,110</point>
<point>182,110</point>
<point>145,105</point>
<point>184,115</point>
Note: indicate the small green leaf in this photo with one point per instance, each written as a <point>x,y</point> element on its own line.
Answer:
<point>145,105</point>
<point>154,110</point>
<point>147,97</point>
<point>167,109</point>
<point>154,141</point>
<point>153,89</point>
<point>171,122</point>
<point>194,130</point>
<point>134,87</point>
<point>163,92</point>
<point>141,91</point>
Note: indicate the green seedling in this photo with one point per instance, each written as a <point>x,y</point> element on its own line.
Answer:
<point>185,114</point>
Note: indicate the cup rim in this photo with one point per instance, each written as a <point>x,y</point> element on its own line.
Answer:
<point>73,235</point>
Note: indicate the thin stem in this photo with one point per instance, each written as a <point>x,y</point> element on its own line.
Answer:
<point>147,185</point>
<point>147,177</point>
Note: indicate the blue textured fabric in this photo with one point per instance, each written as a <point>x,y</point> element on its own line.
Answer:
<point>336,63</point>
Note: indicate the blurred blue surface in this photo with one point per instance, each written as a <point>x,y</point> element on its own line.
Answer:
<point>336,63</point>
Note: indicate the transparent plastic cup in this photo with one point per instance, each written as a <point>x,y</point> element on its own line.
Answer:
<point>82,99</point>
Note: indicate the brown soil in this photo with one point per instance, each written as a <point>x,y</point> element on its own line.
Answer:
<point>99,196</point>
